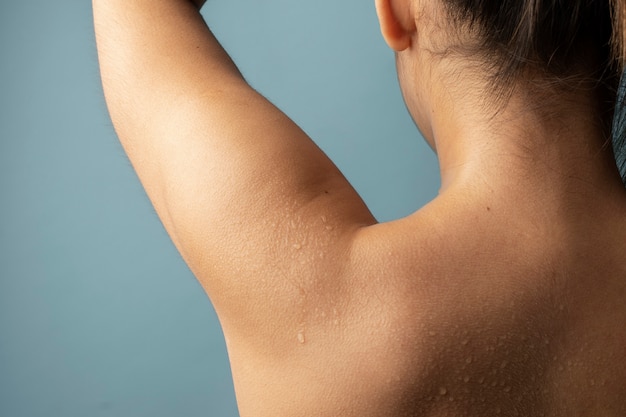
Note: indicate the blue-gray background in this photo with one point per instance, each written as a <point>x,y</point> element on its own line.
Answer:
<point>98,314</point>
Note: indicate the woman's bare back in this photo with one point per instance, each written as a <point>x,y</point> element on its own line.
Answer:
<point>467,314</point>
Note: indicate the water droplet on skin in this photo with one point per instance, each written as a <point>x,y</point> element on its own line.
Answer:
<point>469,360</point>
<point>301,337</point>
<point>329,228</point>
<point>466,378</point>
<point>443,391</point>
<point>323,219</point>
<point>297,246</point>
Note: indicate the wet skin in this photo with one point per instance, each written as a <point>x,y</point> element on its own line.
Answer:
<point>503,296</point>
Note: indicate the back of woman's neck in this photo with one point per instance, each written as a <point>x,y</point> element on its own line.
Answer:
<point>527,147</point>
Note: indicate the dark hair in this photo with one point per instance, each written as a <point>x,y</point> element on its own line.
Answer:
<point>564,40</point>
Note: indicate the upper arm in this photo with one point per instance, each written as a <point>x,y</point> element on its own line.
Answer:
<point>245,195</point>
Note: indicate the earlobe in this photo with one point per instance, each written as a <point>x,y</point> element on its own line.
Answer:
<point>396,23</point>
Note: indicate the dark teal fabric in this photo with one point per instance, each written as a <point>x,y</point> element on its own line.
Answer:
<point>619,128</point>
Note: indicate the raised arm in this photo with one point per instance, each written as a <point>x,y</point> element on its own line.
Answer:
<point>252,204</point>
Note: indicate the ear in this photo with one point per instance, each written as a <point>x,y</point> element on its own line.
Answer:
<point>396,23</point>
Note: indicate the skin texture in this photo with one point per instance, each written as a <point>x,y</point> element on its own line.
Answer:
<point>503,296</point>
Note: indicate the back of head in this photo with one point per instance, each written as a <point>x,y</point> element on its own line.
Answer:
<point>568,42</point>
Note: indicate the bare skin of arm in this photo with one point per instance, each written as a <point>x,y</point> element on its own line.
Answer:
<point>235,182</point>
<point>476,305</point>
<point>262,217</point>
